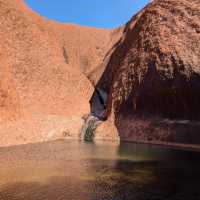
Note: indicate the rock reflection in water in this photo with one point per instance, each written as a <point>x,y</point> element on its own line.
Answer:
<point>66,170</point>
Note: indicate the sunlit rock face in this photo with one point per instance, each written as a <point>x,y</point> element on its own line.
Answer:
<point>153,73</point>
<point>45,70</point>
<point>143,78</point>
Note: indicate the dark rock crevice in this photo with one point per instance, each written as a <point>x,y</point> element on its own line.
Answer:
<point>65,55</point>
<point>98,104</point>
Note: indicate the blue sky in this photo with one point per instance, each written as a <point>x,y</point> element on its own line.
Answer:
<point>98,13</point>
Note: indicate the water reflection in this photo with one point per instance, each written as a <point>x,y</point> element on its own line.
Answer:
<point>86,171</point>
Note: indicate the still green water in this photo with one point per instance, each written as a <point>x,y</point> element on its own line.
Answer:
<point>66,170</point>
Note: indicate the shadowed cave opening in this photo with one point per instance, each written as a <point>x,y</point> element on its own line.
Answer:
<point>154,101</point>
<point>98,104</point>
<point>98,113</point>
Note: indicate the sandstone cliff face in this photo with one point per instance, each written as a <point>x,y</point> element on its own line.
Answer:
<point>146,76</point>
<point>154,74</point>
<point>44,89</point>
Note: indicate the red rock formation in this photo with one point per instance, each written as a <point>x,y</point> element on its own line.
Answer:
<point>154,73</point>
<point>44,89</point>
<point>146,75</point>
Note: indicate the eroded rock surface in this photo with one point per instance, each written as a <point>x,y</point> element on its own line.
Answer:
<point>153,73</point>
<point>44,74</point>
<point>142,78</point>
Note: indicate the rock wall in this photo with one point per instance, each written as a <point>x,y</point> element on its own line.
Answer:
<point>153,74</point>
<point>44,70</point>
<point>142,78</point>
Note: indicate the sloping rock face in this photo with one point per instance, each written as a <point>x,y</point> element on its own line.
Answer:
<point>44,70</point>
<point>151,83</point>
<point>146,76</point>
